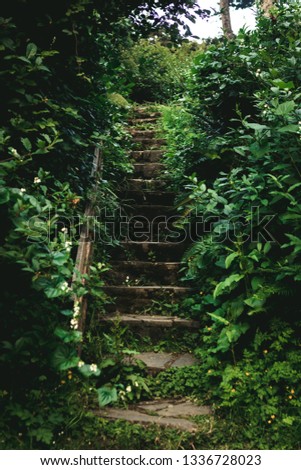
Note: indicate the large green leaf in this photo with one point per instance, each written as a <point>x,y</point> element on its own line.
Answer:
<point>106,395</point>
<point>228,284</point>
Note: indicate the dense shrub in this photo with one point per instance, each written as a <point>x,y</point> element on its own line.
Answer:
<point>157,72</point>
<point>243,112</point>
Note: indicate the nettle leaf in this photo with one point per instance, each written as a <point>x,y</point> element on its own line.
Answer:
<point>106,395</point>
<point>228,284</point>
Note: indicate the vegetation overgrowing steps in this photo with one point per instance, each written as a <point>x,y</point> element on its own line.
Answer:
<point>170,413</point>
<point>145,274</point>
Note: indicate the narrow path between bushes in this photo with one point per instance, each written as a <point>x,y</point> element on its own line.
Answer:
<point>144,275</point>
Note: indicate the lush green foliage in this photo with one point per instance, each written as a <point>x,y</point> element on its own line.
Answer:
<point>59,78</point>
<point>157,71</point>
<point>241,158</point>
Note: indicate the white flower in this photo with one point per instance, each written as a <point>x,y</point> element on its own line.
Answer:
<point>64,230</point>
<point>76,309</point>
<point>74,323</point>
<point>22,190</point>
<point>37,180</point>
<point>80,364</point>
<point>136,384</point>
<point>64,286</point>
<point>93,368</point>
<point>128,389</point>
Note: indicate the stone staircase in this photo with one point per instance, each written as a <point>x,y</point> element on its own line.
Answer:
<point>150,254</point>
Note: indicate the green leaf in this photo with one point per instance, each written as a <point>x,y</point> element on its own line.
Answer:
<point>283,85</point>
<point>219,318</point>
<point>53,292</point>
<point>285,108</point>
<point>4,195</point>
<point>256,127</point>
<point>31,50</point>
<point>68,336</point>
<point>106,395</point>
<point>67,313</point>
<point>86,371</point>
<point>229,259</point>
<point>289,128</point>
<point>26,143</point>
<point>64,358</point>
<point>228,284</point>
<point>59,258</point>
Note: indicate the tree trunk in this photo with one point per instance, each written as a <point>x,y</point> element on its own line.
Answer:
<point>226,19</point>
<point>266,6</point>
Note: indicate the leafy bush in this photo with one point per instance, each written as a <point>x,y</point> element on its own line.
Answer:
<point>157,72</point>
<point>243,148</point>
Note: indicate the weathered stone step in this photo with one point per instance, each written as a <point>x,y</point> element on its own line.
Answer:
<point>169,413</point>
<point>149,251</point>
<point>165,273</point>
<point>165,198</point>
<point>148,170</point>
<point>142,133</point>
<point>146,114</point>
<point>141,184</point>
<point>152,321</point>
<point>142,120</point>
<point>134,299</point>
<point>150,211</point>
<point>158,361</point>
<point>151,156</point>
<point>144,143</point>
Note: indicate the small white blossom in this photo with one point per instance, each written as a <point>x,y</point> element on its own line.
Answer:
<point>64,230</point>
<point>80,364</point>
<point>93,368</point>
<point>136,384</point>
<point>64,286</point>
<point>37,180</point>
<point>128,389</point>
<point>22,190</point>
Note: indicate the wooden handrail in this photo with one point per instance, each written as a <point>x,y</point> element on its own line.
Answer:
<point>85,246</point>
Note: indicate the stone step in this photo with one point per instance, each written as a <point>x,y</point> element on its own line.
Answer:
<point>143,133</point>
<point>141,197</point>
<point>141,113</point>
<point>141,184</point>
<point>148,170</point>
<point>165,273</point>
<point>134,299</point>
<point>152,321</point>
<point>149,251</point>
<point>144,143</point>
<point>168,413</point>
<point>137,121</point>
<point>150,211</point>
<point>156,362</point>
<point>151,156</point>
